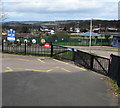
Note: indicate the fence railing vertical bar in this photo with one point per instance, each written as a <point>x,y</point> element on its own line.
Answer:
<point>2,46</point>
<point>25,48</point>
<point>74,54</point>
<point>91,62</point>
<point>51,50</point>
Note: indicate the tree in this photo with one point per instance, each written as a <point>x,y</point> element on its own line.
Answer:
<point>61,34</point>
<point>3,14</point>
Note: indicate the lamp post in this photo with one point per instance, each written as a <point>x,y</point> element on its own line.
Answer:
<point>90,35</point>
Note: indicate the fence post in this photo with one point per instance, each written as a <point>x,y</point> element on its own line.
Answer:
<point>91,61</point>
<point>51,50</point>
<point>109,65</point>
<point>2,46</point>
<point>25,47</point>
<point>73,59</point>
<point>118,79</point>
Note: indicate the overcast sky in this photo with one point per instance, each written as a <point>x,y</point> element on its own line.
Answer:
<point>50,10</point>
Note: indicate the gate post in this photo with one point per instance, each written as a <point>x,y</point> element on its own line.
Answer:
<point>73,58</point>
<point>2,46</point>
<point>91,61</point>
<point>25,47</point>
<point>118,79</point>
<point>51,55</point>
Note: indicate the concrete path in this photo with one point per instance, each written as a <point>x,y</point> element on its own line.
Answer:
<point>104,51</point>
<point>39,81</point>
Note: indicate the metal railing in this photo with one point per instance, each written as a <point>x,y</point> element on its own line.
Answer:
<point>26,49</point>
<point>80,58</point>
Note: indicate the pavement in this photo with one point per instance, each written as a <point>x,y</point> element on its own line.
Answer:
<point>40,81</point>
<point>104,51</point>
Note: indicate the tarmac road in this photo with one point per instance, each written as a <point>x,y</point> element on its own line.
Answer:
<point>104,51</point>
<point>39,81</point>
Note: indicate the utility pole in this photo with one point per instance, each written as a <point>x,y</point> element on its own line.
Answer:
<point>90,43</point>
<point>99,28</point>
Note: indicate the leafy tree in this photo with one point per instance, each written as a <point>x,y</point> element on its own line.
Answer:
<point>25,29</point>
<point>61,34</point>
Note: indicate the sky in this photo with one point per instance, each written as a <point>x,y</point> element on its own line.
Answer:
<point>52,10</point>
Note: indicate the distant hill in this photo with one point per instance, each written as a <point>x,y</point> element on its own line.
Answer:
<point>84,24</point>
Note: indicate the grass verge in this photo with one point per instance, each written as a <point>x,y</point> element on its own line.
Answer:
<point>115,86</point>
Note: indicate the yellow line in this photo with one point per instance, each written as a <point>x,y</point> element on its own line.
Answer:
<point>60,61</point>
<point>41,61</point>
<point>9,69</point>
<point>50,70</point>
<point>80,68</point>
<point>65,70</point>
<point>40,70</point>
<point>71,65</point>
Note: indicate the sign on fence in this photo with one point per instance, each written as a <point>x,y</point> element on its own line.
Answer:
<point>70,49</point>
<point>42,41</point>
<point>34,41</point>
<point>47,45</point>
<point>11,35</point>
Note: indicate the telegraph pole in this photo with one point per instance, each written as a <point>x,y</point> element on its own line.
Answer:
<point>90,43</point>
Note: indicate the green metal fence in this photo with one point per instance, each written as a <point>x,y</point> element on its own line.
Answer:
<point>69,41</point>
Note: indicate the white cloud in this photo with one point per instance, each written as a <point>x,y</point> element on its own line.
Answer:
<point>61,9</point>
<point>58,0</point>
<point>60,5</point>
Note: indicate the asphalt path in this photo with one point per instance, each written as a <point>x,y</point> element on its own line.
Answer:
<point>104,51</point>
<point>39,81</point>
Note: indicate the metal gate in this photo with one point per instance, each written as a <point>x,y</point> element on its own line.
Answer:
<point>63,53</point>
<point>92,62</point>
<point>80,58</point>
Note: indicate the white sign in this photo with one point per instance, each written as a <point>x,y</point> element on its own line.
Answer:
<point>33,41</point>
<point>25,40</point>
<point>70,49</point>
<point>4,40</point>
<point>11,35</point>
<point>18,40</point>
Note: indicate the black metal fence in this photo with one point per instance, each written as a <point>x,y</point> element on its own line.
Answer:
<point>26,48</point>
<point>92,62</point>
<point>80,58</point>
<point>114,71</point>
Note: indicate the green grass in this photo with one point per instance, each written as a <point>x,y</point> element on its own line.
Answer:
<point>94,54</point>
<point>115,86</point>
<point>71,44</point>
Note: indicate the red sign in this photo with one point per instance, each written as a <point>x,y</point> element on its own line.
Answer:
<point>47,45</point>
